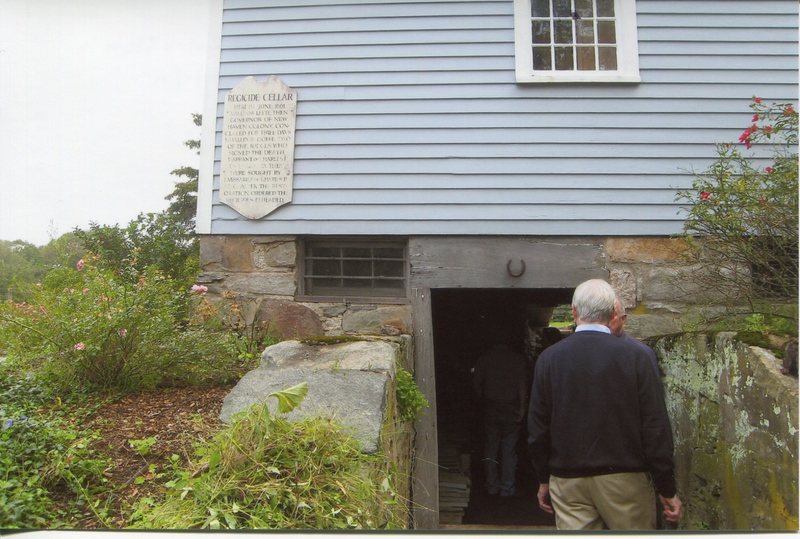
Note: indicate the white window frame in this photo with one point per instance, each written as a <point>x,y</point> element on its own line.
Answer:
<point>627,49</point>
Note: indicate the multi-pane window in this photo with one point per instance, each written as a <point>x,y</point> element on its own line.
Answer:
<point>354,268</point>
<point>576,40</point>
<point>571,35</point>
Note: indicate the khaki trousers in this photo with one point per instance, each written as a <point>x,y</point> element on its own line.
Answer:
<point>623,501</point>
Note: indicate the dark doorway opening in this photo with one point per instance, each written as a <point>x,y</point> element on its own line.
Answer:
<point>462,319</point>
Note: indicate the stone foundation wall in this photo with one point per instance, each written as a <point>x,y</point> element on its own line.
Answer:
<point>261,272</point>
<point>653,282</point>
<point>734,417</point>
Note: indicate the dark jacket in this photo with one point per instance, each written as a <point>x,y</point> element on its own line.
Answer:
<point>596,408</point>
<point>499,382</point>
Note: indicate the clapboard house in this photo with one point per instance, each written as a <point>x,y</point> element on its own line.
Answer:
<point>463,161</point>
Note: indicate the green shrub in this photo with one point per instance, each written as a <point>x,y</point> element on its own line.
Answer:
<point>263,472</point>
<point>745,211</point>
<point>89,328</point>
<point>152,240</point>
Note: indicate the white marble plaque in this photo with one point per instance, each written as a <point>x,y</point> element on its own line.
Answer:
<point>258,147</point>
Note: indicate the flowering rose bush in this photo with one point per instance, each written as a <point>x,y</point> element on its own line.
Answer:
<point>744,208</point>
<point>88,327</point>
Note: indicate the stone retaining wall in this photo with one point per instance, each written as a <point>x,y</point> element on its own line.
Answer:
<point>734,417</point>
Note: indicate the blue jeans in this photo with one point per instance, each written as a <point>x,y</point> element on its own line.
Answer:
<point>500,455</point>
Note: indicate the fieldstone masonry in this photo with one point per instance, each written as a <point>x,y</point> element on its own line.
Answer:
<point>648,273</point>
<point>734,418</point>
<point>260,271</point>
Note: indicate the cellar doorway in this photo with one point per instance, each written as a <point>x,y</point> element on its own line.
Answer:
<point>463,322</point>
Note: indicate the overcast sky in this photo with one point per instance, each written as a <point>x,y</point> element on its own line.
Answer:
<point>96,98</point>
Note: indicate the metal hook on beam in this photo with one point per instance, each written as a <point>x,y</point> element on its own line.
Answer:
<point>515,274</point>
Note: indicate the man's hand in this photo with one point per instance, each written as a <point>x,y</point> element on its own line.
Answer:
<point>673,508</point>
<point>544,498</point>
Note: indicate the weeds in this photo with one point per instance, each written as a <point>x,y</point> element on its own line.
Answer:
<point>40,455</point>
<point>263,472</point>
<point>143,446</point>
<point>410,400</point>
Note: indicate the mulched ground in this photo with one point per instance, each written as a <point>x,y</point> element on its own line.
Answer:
<point>176,417</point>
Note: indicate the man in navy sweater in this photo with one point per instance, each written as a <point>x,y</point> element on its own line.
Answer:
<point>617,327</point>
<point>598,428</point>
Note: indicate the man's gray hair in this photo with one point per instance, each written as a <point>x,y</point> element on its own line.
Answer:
<point>593,301</point>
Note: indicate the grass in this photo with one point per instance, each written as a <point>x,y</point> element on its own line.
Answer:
<point>266,473</point>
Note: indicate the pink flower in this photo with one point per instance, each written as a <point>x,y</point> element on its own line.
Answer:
<point>755,117</point>
<point>79,346</point>
<point>200,289</point>
<point>80,264</point>
<point>745,136</point>
<point>756,99</point>
<point>788,111</point>
<point>768,129</point>
<point>768,170</point>
<point>123,333</point>
<point>705,195</point>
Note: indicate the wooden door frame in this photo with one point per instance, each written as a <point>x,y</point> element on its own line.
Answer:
<point>425,468</point>
<point>476,262</point>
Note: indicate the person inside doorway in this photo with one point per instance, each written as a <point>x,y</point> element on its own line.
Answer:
<point>499,383</point>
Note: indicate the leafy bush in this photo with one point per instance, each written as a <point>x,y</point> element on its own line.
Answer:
<point>152,240</point>
<point>410,400</point>
<point>746,215</point>
<point>263,472</point>
<point>89,328</point>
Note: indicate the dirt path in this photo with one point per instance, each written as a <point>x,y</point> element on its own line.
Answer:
<point>175,418</point>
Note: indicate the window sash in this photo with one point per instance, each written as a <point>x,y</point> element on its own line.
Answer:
<point>355,268</point>
<point>576,47</point>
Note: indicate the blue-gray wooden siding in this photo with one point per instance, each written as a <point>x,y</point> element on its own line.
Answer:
<point>409,120</point>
